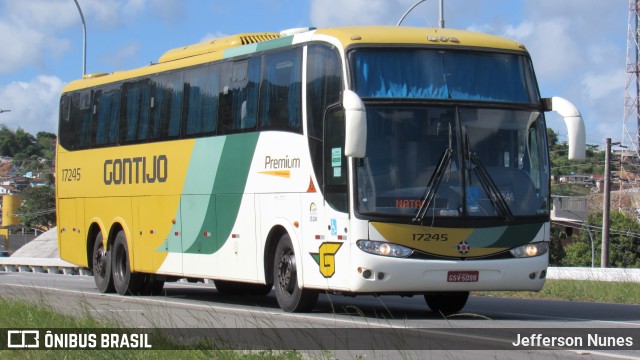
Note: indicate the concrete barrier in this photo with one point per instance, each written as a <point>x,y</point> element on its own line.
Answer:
<point>594,274</point>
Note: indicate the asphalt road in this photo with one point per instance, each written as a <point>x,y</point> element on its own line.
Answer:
<point>486,322</point>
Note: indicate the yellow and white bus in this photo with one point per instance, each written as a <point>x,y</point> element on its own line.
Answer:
<point>355,160</point>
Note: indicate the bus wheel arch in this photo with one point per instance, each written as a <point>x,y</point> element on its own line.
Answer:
<point>273,238</point>
<point>100,261</point>
<point>92,236</point>
<point>290,295</point>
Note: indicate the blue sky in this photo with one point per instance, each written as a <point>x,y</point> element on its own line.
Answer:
<point>578,46</point>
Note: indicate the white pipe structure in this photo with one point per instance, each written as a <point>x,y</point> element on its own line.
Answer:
<point>575,127</point>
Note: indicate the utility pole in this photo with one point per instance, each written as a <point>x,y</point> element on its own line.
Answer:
<point>440,21</point>
<point>84,40</point>
<point>606,208</point>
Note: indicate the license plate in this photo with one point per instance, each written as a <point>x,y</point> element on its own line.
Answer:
<point>462,276</point>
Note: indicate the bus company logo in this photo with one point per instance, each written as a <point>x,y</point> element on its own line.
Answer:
<point>23,339</point>
<point>280,166</point>
<point>464,247</point>
<point>326,258</point>
<point>137,170</point>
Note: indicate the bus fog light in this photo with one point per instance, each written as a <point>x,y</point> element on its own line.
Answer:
<point>383,248</point>
<point>530,250</point>
<point>366,274</point>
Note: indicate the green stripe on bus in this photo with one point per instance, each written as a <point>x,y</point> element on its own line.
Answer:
<point>226,195</point>
<point>518,235</point>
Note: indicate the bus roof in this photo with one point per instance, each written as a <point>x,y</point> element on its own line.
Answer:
<point>413,35</point>
<point>243,44</point>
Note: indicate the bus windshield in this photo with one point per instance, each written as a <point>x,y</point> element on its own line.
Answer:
<point>449,161</point>
<point>439,74</point>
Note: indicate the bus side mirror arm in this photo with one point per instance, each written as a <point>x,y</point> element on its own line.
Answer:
<point>574,123</point>
<point>355,125</point>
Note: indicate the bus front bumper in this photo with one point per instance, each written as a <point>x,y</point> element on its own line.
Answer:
<point>377,274</point>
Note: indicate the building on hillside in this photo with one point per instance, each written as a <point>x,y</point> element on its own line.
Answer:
<point>575,178</point>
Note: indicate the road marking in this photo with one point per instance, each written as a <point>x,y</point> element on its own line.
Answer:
<point>572,319</point>
<point>598,353</point>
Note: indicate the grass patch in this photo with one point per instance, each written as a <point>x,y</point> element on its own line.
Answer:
<point>17,314</point>
<point>576,290</point>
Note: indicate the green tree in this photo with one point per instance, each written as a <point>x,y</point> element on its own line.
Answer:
<point>556,250</point>
<point>624,242</point>
<point>47,142</point>
<point>552,138</point>
<point>18,144</point>
<point>38,207</point>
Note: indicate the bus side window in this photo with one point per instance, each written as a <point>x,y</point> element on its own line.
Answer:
<point>137,109</point>
<point>239,103</point>
<point>66,126</point>
<point>81,113</point>
<point>166,107</point>
<point>201,91</point>
<point>324,85</point>
<point>107,117</point>
<point>281,91</point>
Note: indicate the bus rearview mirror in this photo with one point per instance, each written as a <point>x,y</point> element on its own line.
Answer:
<point>355,125</point>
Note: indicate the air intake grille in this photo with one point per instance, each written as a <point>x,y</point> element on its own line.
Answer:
<point>252,39</point>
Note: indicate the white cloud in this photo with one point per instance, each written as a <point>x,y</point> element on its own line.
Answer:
<point>168,10</point>
<point>30,31</point>
<point>356,12</point>
<point>520,32</point>
<point>599,85</point>
<point>118,58</point>
<point>33,105</point>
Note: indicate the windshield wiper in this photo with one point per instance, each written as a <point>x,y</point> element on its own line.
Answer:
<point>490,187</point>
<point>433,184</point>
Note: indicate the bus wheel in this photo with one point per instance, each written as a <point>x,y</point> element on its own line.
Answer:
<point>101,262</point>
<point>238,288</point>
<point>446,302</point>
<point>125,281</point>
<point>290,296</point>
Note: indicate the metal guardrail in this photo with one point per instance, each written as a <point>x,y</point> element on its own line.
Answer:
<point>58,266</point>
<point>41,265</point>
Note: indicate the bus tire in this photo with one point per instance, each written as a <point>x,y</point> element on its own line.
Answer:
<point>291,297</point>
<point>238,288</point>
<point>124,281</point>
<point>446,302</point>
<point>101,266</point>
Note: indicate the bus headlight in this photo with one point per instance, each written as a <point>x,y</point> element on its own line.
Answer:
<point>383,248</point>
<point>531,250</point>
